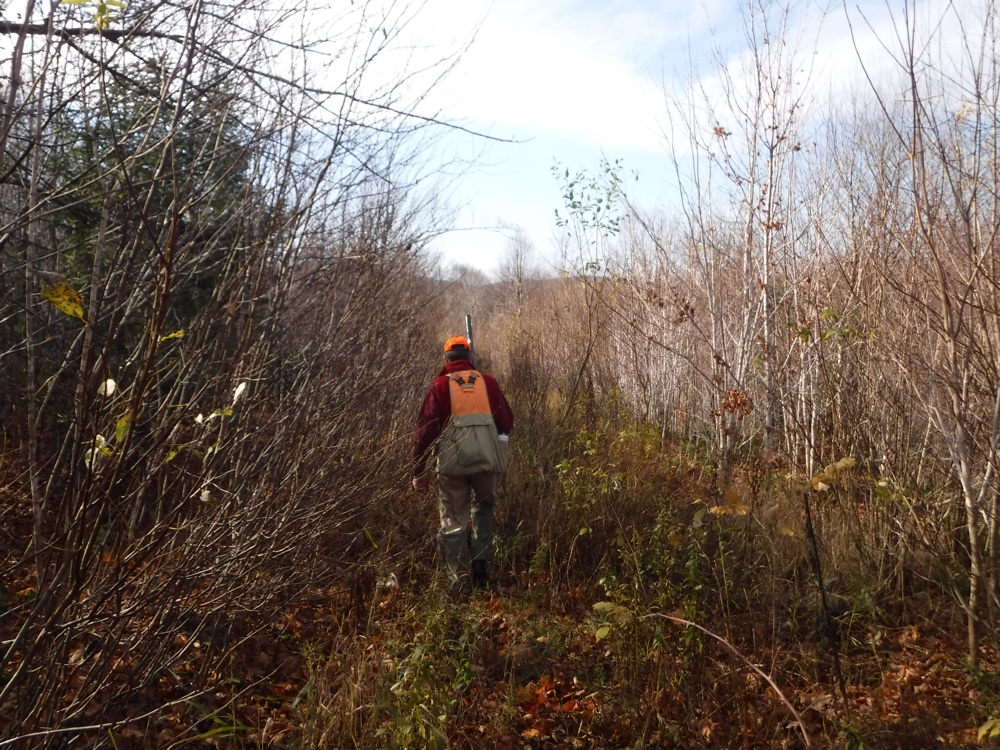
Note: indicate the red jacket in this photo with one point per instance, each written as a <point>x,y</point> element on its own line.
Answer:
<point>436,411</point>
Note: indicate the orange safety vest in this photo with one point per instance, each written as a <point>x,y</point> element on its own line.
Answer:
<point>467,389</point>
<point>469,443</point>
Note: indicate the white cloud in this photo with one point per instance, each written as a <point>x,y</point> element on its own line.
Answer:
<point>585,78</point>
<point>576,69</point>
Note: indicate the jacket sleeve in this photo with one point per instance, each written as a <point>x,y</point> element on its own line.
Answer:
<point>503,416</point>
<point>430,421</point>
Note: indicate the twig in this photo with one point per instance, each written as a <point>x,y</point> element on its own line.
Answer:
<point>832,631</point>
<point>109,725</point>
<point>798,717</point>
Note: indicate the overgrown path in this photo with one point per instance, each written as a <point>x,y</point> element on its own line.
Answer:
<point>538,665</point>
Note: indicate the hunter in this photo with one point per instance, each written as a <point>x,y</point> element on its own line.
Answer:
<point>464,423</point>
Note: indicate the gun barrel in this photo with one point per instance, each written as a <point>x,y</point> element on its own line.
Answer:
<point>468,335</point>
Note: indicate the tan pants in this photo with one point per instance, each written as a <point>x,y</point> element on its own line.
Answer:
<point>465,499</point>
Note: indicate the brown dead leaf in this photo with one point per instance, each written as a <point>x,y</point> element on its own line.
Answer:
<point>539,730</point>
<point>77,656</point>
<point>708,728</point>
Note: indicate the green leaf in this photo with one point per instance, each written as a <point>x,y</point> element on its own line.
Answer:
<point>602,633</point>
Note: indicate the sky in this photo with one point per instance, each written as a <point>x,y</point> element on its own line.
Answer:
<point>570,82</point>
<point>565,83</point>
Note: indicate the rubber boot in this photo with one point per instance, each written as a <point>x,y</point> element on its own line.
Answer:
<point>480,575</point>
<point>452,545</point>
<point>481,545</point>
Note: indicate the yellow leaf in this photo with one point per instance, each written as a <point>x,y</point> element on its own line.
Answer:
<point>602,632</point>
<point>987,727</point>
<point>617,612</point>
<point>819,484</point>
<point>121,427</point>
<point>845,463</point>
<point>800,485</point>
<point>785,529</point>
<point>697,522</point>
<point>65,298</point>
<point>178,334</point>
<point>719,510</point>
<point>98,447</point>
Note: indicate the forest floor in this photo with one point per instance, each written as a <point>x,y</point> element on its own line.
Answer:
<point>539,663</point>
<point>537,666</point>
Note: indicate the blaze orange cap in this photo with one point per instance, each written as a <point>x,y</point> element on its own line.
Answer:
<point>455,342</point>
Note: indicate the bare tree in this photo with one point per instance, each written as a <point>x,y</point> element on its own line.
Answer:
<point>516,270</point>
<point>948,245</point>
<point>230,205</point>
<point>711,294</point>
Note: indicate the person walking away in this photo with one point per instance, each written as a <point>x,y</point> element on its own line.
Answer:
<point>464,423</point>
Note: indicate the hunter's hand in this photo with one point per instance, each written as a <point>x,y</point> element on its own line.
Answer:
<point>421,483</point>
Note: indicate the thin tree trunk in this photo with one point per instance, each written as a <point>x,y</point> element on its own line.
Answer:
<point>34,231</point>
